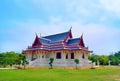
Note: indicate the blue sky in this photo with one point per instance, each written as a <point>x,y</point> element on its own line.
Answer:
<point>99,20</point>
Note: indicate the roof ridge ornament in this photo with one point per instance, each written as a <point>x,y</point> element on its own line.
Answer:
<point>36,34</point>
<point>40,35</point>
<point>82,41</point>
<point>70,28</point>
<point>82,34</point>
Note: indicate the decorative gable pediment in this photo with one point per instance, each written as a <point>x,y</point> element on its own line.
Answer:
<point>69,36</point>
<point>36,42</point>
<point>81,42</point>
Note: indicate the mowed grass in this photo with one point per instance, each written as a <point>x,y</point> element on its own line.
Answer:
<point>62,74</point>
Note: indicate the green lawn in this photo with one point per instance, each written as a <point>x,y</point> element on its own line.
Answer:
<point>61,74</point>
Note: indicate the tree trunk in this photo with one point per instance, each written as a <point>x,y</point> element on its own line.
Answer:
<point>76,66</point>
<point>24,65</point>
<point>51,66</point>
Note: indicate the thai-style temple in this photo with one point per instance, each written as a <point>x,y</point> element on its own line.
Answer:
<point>62,47</point>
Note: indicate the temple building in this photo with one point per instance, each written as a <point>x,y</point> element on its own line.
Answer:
<point>62,47</point>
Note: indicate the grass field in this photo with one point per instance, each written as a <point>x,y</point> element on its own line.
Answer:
<point>62,74</point>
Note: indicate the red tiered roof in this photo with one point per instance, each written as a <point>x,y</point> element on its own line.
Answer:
<point>59,41</point>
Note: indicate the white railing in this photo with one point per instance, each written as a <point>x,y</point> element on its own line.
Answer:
<point>32,62</point>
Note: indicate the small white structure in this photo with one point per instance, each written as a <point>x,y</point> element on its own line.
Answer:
<point>62,47</point>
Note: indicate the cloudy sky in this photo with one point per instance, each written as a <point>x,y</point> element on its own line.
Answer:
<point>99,20</point>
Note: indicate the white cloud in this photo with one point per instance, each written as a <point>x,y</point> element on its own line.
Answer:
<point>111,5</point>
<point>68,9</point>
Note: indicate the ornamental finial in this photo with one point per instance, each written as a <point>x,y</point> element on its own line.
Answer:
<point>40,35</point>
<point>70,27</point>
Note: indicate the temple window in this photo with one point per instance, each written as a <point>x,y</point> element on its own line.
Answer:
<point>83,56</point>
<point>72,55</point>
<point>58,55</point>
<point>66,56</point>
<point>42,56</point>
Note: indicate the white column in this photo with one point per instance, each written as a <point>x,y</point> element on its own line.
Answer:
<point>63,55</point>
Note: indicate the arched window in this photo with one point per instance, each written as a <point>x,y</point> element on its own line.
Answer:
<point>42,56</point>
<point>66,56</point>
<point>72,55</point>
<point>83,56</point>
<point>58,55</point>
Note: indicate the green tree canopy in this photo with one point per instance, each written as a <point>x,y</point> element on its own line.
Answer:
<point>103,60</point>
<point>77,62</point>
<point>51,61</point>
<point>12,58</point>
<point>93,58</point>
<point>115,58</point>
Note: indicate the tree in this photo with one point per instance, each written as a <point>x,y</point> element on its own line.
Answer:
<point>93,58</point>
<point>12,58</point>
<point>51,61</point>
<point>77,62</point>
<point>8,59</point>
<point>23,60</point>
<point>114,58</point>
<point>103,60</point>
<point>1,56</point>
